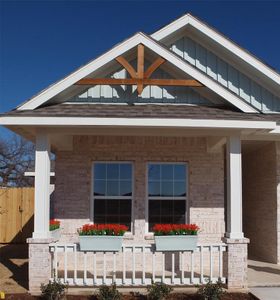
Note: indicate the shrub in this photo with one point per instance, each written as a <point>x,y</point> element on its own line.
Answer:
<point>108,293</point>
<point>158,291</point>
<point>54,290</point>
<point>211,291</point>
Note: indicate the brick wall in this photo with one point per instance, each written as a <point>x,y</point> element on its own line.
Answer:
<point>260,201</point>
<point>278,199</point>
<point>206,179</point>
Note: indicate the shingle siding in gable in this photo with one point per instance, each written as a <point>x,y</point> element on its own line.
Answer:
<point>227,75</point>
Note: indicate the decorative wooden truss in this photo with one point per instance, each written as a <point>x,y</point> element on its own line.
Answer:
<point>140,77</point>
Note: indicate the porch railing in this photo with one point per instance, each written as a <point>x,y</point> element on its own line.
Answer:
<point>137,265</point>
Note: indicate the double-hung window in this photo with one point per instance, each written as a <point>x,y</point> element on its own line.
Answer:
<point>167,193</point>
<point>112,193</point>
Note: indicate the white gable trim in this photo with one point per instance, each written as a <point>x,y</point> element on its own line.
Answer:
<point>136,122</point>
<point>218,38</point>
<point>122,48</point>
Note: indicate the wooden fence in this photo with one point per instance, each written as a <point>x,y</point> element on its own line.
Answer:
<point>16,214</point>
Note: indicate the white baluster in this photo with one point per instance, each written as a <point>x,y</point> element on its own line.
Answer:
<point>55,262</point>
<point>94,269</point>
<point>172,267</point>
<point>182,267</point>
<point>85,268</point>
<point>163,267</point>
<point>133,265</point>
<point>104,268</point>
<point>65,264</point>
<point>75,263</point>
<point>153,265</point>
<point>211,263</point>
<point>221,261</point>
<point>201,265</point>
<point>114,267</point>
<point>143,263</point>
<point>192,266</point>
<point>124,271</point>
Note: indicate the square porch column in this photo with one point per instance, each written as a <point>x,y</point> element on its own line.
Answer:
<point>42,186</point>
<point>236,258</point>
<point>39,255</point>
<point>234,188</point>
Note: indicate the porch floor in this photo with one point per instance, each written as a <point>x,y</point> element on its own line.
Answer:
<point>261,274</point>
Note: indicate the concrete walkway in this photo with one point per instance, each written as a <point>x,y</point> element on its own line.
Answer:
<point>262,274</point>
<point>264,280</point>
<point>266,293</point>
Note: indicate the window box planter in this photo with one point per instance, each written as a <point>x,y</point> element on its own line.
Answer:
<point>100,243</point>
<point>55,234</point>
<point>54,228</point>
<point>101,237</point>
<point>176,242</point>
<point>175,237</point>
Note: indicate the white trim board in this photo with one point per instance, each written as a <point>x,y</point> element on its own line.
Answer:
<point>118,50</point>
<point>32,174</point>
<point>136,122</point>
<point>189,20</point>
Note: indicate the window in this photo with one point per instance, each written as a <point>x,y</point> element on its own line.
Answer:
<point>167,193</point>
<point>112,193</point>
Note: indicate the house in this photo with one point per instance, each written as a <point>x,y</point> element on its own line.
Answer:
<point>154,131</point>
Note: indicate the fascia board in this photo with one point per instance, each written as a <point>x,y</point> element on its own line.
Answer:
<point>218,38</point>
<point>135,122</point>
<point>120,49</point>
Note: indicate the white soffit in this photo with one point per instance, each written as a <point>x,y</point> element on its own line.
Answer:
<point>189,20</point>
<point>118,50</point>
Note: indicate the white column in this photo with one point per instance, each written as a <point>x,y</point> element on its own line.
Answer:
<point>234,188</point>
<point>42,186</point>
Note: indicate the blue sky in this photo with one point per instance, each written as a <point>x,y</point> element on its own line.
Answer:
<point>42,41</point>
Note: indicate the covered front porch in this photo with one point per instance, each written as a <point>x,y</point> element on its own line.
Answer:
<point>214,202</point>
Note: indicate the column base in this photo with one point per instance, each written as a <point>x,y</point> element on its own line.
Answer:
<point>236,264</point>
<point>39,266</point>
<point>234,235</point>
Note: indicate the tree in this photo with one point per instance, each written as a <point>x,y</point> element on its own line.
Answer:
<point>16,157</point>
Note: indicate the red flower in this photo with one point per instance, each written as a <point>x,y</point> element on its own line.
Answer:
<point>103,229</point>
<point>54,224</point>
<point>175,229</point>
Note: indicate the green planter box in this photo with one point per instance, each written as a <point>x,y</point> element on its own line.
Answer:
<point>176,242</point>
<point>55,234</point>
<point>100,243</point>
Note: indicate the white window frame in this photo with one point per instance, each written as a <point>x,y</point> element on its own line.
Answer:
<point>92,197</point>
<point>186,198</point>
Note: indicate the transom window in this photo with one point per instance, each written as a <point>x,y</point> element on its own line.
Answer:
<point>167,193</point>
<point>112,193</point>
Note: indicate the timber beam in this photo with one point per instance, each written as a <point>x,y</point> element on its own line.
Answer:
<point>140,78</point>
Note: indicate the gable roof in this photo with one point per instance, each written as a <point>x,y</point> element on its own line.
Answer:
<point>152,44</point>
<point>97,110</point>
<point>190,20</point>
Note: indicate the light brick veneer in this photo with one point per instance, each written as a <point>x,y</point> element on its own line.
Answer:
<point>39,264</point>
<point>261,176</point>
<point>236,263</point>
<point>206,179</point>
<point>278,199</point>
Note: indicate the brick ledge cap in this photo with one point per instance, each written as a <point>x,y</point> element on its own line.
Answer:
<point>40,241</point>
<point>236,241</point>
